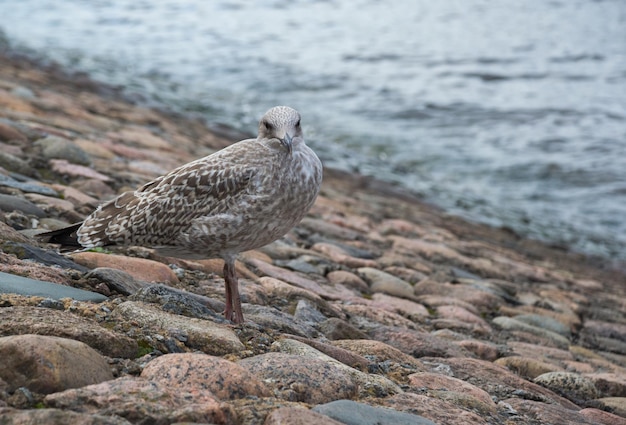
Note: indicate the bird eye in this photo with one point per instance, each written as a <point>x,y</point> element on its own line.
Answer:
<point>268,126</point>
<point>298,123</point>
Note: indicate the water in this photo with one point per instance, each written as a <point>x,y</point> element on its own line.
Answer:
<point>511,113</point>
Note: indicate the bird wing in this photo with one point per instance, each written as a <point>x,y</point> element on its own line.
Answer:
<point>158,211</point>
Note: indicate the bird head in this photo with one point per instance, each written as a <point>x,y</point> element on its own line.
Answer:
<point>282,123</point>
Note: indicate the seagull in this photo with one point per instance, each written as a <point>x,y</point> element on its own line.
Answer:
<point>237,199</point>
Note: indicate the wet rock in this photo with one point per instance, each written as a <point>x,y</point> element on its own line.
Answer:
<point>116,280</point>
<point>142,401</point>
<point>204,335</point>
<point>439,411</point>
<point>13,284</point>
<point>569,384</point>
<point>139,268</point>
<point>56,417</point>
<point>188,372</point>
<point>297,416</point>
<point>47,364</point>
<point>334,328</point>
<point>19,320</point>
<point>353,413</point>
<point>528,368</point>
<point>298,378</point>
<point>380,281</point>
<point>368,384</point>
<point>28,187</point>
<point>10,203</point>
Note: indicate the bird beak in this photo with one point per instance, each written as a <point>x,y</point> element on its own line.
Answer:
<point>287,141</point>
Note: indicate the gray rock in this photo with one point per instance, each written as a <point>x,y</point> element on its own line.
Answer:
<point>53,147</point>
<point>10,203</point>
<point>517,325</point>
<point>545,322</point>
<point>306,312</point>
<point>569,384</point>
<point>27,187</point>
<point>275,319</point>
<point>117,280</point>
<point>15,164</point>
<point>353,413</point>
<point>25,251</point>
<point>56,417</point>
<point>380,281</point>
<point>12,284</point>
<point>181,302</point>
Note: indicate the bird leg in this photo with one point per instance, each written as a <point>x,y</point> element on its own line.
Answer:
<point>232,311</point>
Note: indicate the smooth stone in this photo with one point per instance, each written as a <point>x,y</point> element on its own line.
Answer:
<point>297,416</point>
<point>116,280</point>
<point>515,325</point>
<point>601,417</point>
<point>17,165</point>
<point>335,328</point>
<point>188,372</point>
<point>12,284</point>
<point>572,385</point>
<point>56,417</point>
<point>64,167</point>
<point>48,364</point>
<point>53,147</point>
<point>10,203</point>
<point>483,350</point>
<point>45,321</point>
<point>368,384</point>
<point>204,335</point>
<point>380,281</point>
<point>9,234</point>
<point>270,317</point>
<point>181,302</point>
<point>347,279</point>
<point>303,379</point>
<point>9,133</point>
<point>139,268</point>
<point>344,356</point>
<point>481,300</point>
<point>338,255</point>
<point>354,413</point>
<point>617,404</point>
<point>453,312</point>
<point>27,187</point>
<point>145,402</point>
<point>527,368</point>
<point>544,322</point>
<point>25,251</point>
<point>409,309</point>
<point>609,384</point>
<point>368,317</point>
<point>307,313</point>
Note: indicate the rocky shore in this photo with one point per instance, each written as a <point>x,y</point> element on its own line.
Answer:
<point>377,308</point>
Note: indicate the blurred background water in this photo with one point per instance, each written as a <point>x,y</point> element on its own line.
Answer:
<point>511,113</point>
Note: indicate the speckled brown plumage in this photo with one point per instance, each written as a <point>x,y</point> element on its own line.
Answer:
<point>240,198</point>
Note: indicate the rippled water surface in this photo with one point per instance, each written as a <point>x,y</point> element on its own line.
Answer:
<point>509,112</point>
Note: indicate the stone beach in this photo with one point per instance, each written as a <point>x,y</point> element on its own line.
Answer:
<point>376,308</point>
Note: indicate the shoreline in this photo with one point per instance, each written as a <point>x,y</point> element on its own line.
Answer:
<point>370,306</point>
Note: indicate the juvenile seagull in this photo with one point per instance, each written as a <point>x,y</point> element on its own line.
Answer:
<point>237,199</point>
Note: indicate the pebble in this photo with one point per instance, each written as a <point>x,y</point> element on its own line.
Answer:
<point>10,203</point>
<point>378,352</point>
<point>335,328</point>
<point>53,147</point>
<point>48,364</point>
<point>180,302</point>
<point>528,368</point>
<point>515,325</point>
<point>56,417</point>
<point>417,343</point>
<point>354,413</point>
<point>347,279</point>
<point>189,372</point>
<point>116,280</point>
<point>297,416</point>
<point>26,186</point>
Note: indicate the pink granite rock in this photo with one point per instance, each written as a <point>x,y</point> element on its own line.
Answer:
<point>190,372</point>
<point>139,268</point>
